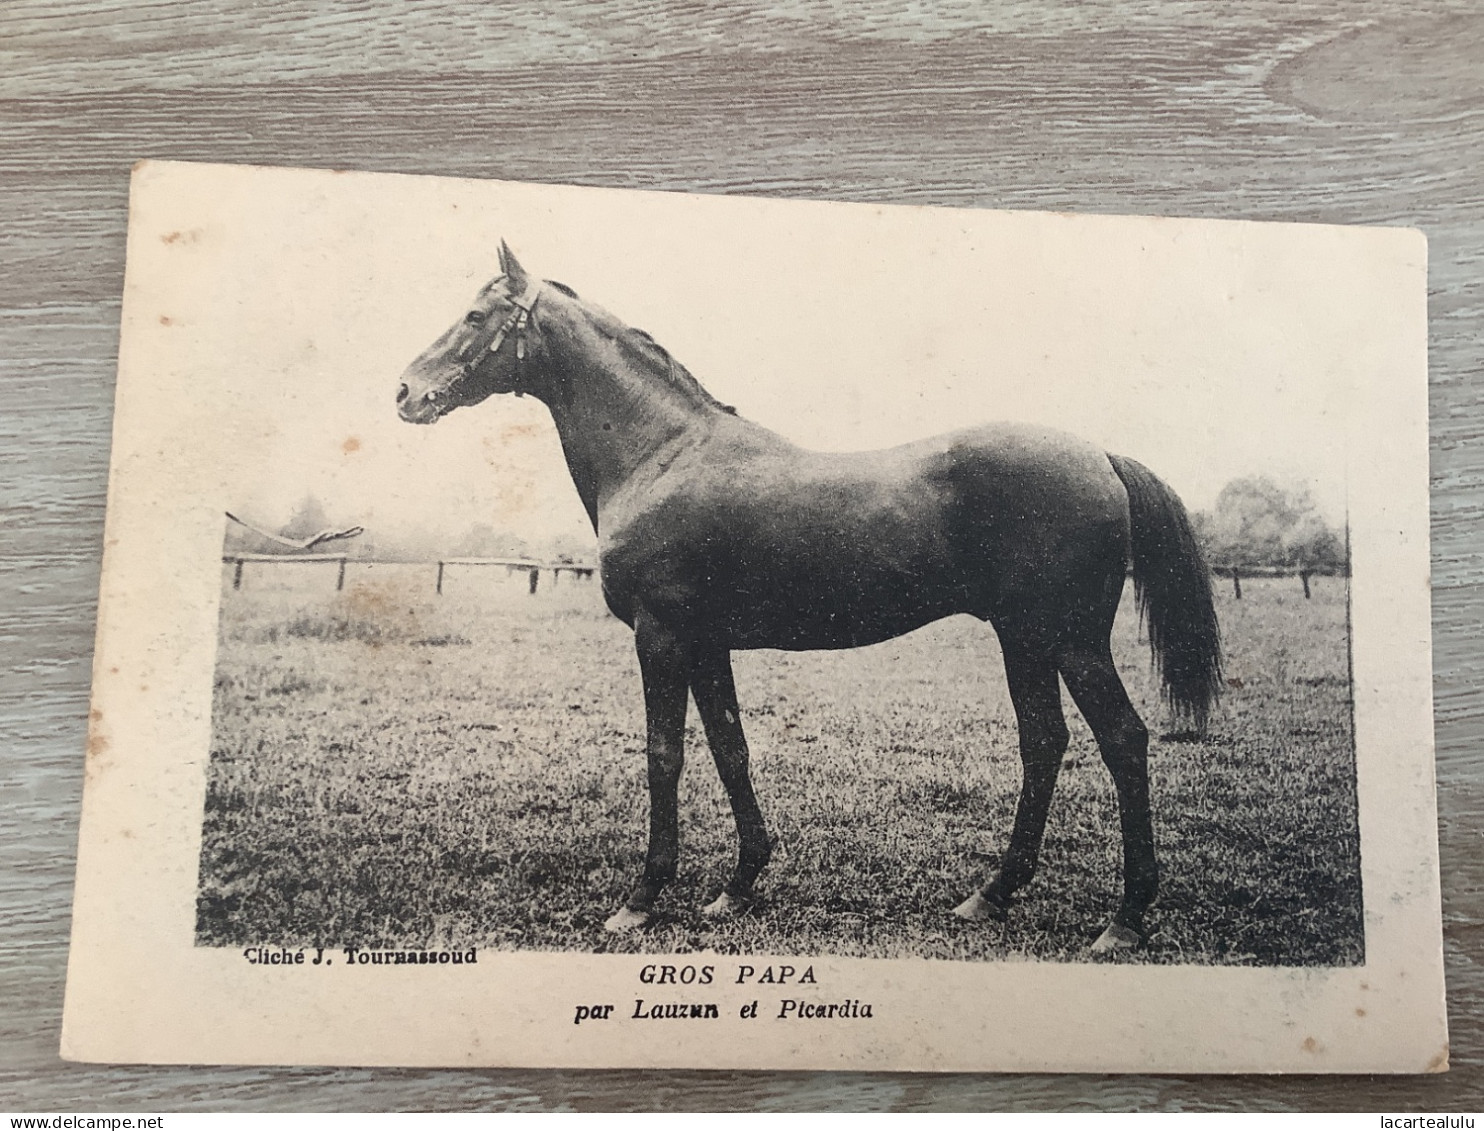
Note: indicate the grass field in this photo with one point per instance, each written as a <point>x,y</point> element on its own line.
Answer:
<point>393,768</point>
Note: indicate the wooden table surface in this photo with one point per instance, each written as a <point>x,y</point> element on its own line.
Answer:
<point>1263,110</point>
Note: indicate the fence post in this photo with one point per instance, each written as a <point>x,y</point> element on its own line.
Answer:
<point>440,579</point>
<point>237,575</point>
<point>340,579</point>
<point>535,577</point>
<point>1236,584</point>
<point>1304,577</point>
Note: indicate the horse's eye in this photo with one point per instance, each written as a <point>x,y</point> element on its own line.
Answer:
<point>475,318</point>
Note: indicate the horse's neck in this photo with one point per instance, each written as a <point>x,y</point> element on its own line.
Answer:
<point>614,407</point>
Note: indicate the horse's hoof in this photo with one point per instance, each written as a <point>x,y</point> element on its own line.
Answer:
<point>976,908</point>
<point>626,919</point>
<point>1116,938</point>
<point>725,906</point>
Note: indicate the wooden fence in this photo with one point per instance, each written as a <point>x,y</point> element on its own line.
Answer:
<point>238,560</point>
<point>533,568</point>
<point>529,566</point>
<point>1237,573</point>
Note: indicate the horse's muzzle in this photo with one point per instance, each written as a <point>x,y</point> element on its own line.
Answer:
<point>422,408</point>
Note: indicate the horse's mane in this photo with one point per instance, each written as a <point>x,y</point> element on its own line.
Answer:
<point>642,343</point>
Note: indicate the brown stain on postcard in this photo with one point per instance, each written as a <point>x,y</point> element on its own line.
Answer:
<point>369,600</point>
<point>379,613</point>
<point>97,746</point>
<point>509,433</point>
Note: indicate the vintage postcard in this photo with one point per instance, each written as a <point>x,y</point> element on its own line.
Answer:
<point>570,627</point>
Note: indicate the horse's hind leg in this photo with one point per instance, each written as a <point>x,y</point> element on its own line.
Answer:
<point>1043,740</point>
<point>1123,739</point>
<point>716,701</point>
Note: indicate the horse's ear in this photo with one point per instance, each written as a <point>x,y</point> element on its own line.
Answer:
<point>512,269</point>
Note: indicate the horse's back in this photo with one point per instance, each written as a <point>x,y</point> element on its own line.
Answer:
<point>779,546</point>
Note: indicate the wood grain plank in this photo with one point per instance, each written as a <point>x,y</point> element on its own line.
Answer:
<point>1258,111</point>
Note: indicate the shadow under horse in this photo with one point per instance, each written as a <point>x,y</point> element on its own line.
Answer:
<point>716,534</point>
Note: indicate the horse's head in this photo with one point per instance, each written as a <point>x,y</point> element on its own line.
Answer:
<point>481,354</point>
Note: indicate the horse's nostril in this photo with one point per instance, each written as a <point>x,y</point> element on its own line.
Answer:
<point>402,393</point>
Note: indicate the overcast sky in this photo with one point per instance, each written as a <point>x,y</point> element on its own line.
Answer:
<point>294,300</point>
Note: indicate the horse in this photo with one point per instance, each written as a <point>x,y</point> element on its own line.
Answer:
<point>716,534</point>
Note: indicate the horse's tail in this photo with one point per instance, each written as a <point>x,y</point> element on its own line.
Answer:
<point>1172,586</point>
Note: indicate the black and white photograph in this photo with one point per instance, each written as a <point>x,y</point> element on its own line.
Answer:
<point>725,604</point>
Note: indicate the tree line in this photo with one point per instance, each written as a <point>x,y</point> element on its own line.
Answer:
<point>1260,523</point>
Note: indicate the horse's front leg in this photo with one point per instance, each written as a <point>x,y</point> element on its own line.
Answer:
<point>664,666</point>
<point>716,700</point>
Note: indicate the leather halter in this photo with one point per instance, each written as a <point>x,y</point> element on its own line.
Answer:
<point>517,321</point>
